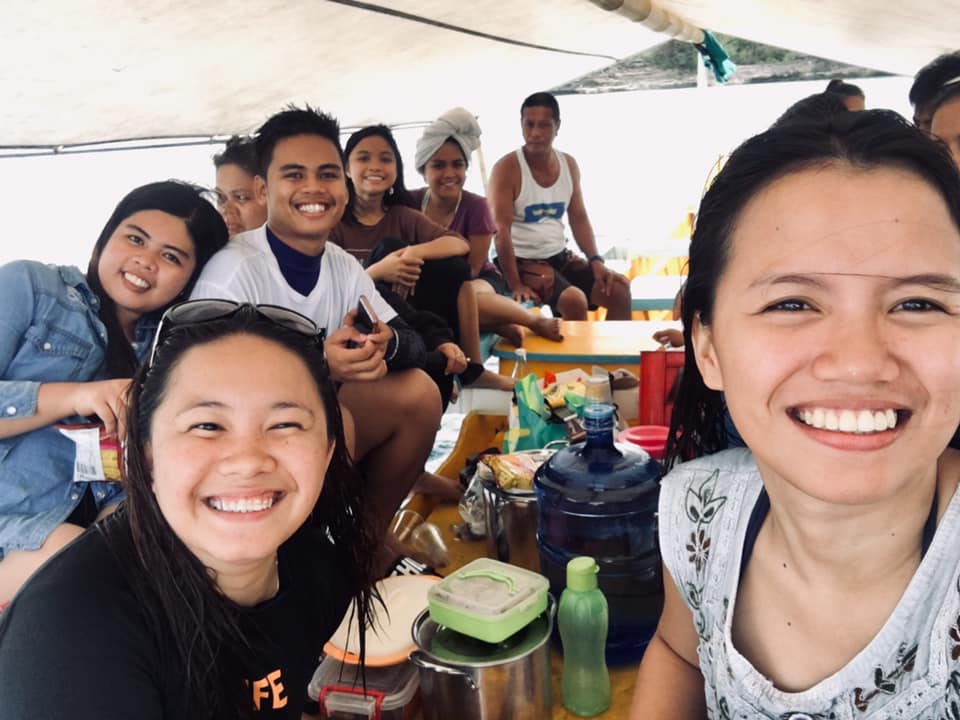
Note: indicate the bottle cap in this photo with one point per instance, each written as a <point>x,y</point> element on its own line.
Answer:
<point>582,574</point>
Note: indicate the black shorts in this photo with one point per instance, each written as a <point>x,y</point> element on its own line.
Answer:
<point>571,270</point>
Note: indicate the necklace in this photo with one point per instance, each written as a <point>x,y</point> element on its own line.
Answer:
<point>449,217</point>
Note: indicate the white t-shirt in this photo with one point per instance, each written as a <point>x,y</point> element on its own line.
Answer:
<point>246,270</point>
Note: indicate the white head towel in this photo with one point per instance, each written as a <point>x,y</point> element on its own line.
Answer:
<point>458,123</point>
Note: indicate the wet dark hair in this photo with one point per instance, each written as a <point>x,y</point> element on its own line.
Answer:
<point>291,122</point>
<point>839,87</point>
<point>397,194</point>
<point>542,99</point>
<point>930,78</point>
<point>866,140</point>
<point>813,108</point>
<point>178,593</point>
<point>206,228</point>
<point>239,151</point>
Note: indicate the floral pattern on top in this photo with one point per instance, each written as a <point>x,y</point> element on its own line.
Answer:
<point>911,671</point>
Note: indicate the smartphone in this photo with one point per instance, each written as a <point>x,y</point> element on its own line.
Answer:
<point>366,320</point>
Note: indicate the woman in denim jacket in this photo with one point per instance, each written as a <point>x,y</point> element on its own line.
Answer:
<point>68,345</point>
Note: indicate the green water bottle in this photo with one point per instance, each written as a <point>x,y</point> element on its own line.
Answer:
<point>583,620</point>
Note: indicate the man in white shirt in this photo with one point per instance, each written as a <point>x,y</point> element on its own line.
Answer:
<point>394,416</point>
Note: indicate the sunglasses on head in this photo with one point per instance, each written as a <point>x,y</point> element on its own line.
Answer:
<point>194,312</point>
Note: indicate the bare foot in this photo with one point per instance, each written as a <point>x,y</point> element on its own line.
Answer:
<point>548,328</point>
<point>513,334</point>
<point>438,486</point>
<point>492,381</point>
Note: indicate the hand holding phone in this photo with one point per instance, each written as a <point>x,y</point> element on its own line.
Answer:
<point>366,320</point>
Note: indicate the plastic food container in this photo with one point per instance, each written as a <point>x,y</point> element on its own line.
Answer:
<point>488,600</point>
<point>392,692</point>
<point>388,641</point>
<point>652,438</point>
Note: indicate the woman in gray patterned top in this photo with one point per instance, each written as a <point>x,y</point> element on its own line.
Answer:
<point>814,574</point>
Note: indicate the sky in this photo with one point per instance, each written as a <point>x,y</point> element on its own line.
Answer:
<point>644,157</point>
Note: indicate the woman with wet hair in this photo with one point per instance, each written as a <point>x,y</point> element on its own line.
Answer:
<point>822,309</point>
<point>242,541</point>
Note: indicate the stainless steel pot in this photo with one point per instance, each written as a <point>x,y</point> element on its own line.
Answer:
<point>470,680</point>
<point>511,517</point>
<point>511,521</point>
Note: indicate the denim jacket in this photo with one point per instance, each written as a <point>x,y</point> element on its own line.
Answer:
<point>49,332</point>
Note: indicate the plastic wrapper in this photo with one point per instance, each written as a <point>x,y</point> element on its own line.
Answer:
<point>472,507</point>
<point>513,471</point>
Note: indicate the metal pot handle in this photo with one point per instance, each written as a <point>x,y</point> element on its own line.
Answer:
<point>420,660</point>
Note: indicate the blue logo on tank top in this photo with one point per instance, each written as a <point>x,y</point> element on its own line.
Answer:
<point>543,211</point>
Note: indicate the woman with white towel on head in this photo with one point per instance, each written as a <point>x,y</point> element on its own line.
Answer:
<point>442,157</point>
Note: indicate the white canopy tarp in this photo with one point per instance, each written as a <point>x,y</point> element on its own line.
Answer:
<point>82,71</point>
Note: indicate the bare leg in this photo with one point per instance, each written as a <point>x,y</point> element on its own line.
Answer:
<point>618,302</point>
<point>572,304</point>
<point>470,339</point>
<point>393,422</point>
<point>495,310</point>
<point>18,565</point>
<point>438,486</point>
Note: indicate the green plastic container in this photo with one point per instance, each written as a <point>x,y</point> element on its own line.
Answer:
<point>488,600</point>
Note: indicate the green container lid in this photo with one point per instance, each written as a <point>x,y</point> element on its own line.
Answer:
<point>582,574</point>
<point>488,600</point>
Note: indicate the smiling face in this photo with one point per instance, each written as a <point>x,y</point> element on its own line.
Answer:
<point>237,466</point>
<point>446,171</point>
<point>372,166</point>
<point>836,332</point>
<point>237,199</point>
<point>146,263</point>
<point>305,191</point>
<point>946,126</point>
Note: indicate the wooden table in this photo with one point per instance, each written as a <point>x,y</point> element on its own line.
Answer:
<point>609,344</point>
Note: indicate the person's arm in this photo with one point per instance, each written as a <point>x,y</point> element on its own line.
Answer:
<point>669,683</point>
<point>26,405</point>
<point>583,231</point>
<point>501,193</point>
<point>577,214</point>
<point>432,241</point>
<point>56,401</point>
<point>479,251</point>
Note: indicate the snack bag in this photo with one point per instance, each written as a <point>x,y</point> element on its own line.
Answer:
<point>513,471</point>
<point>98,453</point>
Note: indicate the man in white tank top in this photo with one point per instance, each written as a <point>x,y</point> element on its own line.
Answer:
<point>530,191</point>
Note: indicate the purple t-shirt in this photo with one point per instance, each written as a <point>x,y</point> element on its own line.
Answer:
<point>473,217</point>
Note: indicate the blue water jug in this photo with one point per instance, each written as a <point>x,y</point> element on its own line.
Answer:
<point>599,498</point>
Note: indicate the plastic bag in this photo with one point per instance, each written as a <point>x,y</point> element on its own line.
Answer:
<point>530,427</point>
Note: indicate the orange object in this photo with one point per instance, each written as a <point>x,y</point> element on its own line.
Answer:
<point>659,371</point>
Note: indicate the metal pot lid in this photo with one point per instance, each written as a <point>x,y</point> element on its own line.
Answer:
<point>450,646</point>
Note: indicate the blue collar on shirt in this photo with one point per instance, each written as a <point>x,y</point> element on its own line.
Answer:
<point>299,270</point>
